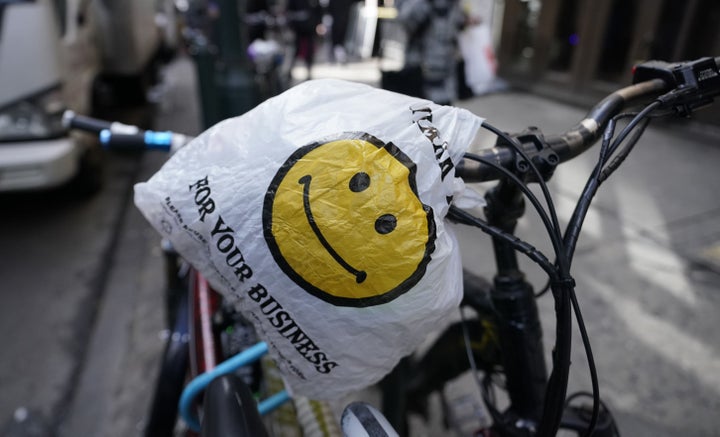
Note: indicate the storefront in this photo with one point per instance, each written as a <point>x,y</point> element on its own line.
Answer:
<point>579,49</point>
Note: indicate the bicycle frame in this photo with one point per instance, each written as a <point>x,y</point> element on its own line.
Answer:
<point>205,351</point>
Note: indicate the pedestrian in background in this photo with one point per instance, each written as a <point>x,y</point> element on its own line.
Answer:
<point>432,28</point>
<point>340,13</point>
<point>304,16</point>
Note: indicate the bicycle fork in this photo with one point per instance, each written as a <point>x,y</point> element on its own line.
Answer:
<point>519,329</point>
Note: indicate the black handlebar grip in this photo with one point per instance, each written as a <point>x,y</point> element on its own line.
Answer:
<point>72,120</point>
<point>116,141</point>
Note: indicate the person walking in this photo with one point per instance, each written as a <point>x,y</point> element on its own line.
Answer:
<point>432,28</point>
<point>340,13</point>
<point>303,18</point>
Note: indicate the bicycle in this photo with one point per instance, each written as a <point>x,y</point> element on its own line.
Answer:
<point>506,327</point>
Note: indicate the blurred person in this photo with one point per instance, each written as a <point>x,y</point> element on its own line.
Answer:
<point>432,28</point>
<point>256,19</point>
<point>340,13</point>
<point>304,17</point>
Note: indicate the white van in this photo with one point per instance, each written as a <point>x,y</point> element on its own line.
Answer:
<point>67,54</point>
<point>47,64</point>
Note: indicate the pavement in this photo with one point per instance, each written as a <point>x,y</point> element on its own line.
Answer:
<point>647,269</point>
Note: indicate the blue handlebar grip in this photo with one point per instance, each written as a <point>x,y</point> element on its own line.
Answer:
<point>158,140</point>
<point>137,141</point>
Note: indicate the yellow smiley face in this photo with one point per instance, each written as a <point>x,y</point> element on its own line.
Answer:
<point>343,220</point>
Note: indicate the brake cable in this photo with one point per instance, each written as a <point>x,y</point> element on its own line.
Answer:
<point>562,284</point>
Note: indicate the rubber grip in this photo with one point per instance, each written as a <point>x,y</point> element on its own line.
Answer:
<point>84,123</point>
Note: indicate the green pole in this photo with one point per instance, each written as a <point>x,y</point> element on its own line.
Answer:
<point>237,91</point>
<point>205,58</point>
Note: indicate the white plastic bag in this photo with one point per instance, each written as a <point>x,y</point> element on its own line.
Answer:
<point>479,55</point>
<point>320,214</point>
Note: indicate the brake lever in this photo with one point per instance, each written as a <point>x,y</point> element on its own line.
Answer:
<point>693,84</point>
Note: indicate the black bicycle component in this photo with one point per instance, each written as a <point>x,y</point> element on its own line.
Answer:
<point>519,329</point>
<point>231,410</point>
<point>694,84</point>
<point>543,157</point>
<point>577,418</point>
<point>567,145</point>
<point>134,142</point>
<point>537,402</point>
<point>476,294</point>
<point>393,388</point>
<point>84,123</point>
<point>71,120</point>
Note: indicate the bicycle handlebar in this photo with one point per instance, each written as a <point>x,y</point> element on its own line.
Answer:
<point>71,120</point>
<point>119,136</point>
<point>688,85</point>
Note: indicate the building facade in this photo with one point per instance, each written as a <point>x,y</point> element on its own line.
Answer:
<point>578,50</point>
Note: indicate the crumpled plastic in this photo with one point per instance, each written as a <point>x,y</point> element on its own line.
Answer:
<point>319,214</point>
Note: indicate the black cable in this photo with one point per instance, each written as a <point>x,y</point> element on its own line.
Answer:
<point>625,151</point>
<point>528,193</point>
<point>558,379</point>
<point>609,420</point>
<point>562,288</point>
<point>543,290</point>
<point>541,182</point>
<point>600,174</point>
<point>521,246</point>
<point>591,364</point>
<point>561,283</point>
<point>572,231</point>
<point>489,399</point>
<point>571,237</point>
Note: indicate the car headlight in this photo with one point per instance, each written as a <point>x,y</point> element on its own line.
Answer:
<point>39,117</point>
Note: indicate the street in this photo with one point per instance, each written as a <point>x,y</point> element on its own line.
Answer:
<point>81,300</point>
<point>81,293</point>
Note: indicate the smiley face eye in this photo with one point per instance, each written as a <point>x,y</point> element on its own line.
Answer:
<point>385,224</point>
<point>359,182</point>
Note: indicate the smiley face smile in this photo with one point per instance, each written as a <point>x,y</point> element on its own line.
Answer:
<point>305,181</point>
